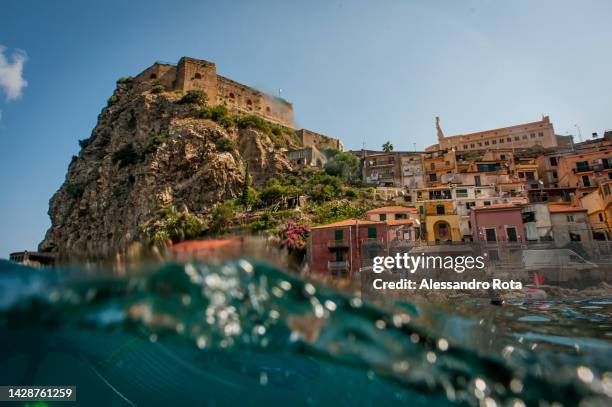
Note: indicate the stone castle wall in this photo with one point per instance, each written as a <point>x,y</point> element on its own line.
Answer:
<point>191,74</point>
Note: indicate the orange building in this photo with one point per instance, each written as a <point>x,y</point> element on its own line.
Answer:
<point>585,171</point>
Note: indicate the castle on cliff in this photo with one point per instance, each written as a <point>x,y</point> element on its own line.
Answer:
<point>198,74</point>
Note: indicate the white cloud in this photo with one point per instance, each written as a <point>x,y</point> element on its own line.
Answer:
<point>11,73</point>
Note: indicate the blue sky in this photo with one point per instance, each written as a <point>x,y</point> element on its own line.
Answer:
<point>364,71</point>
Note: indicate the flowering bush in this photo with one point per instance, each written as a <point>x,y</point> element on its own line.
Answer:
<point>294,236</point>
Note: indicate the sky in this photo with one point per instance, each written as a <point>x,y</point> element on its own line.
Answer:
<point>363,71</point>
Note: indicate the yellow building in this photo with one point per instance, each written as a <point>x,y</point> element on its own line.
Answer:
<point>599,210</point>
<point>443,228</point>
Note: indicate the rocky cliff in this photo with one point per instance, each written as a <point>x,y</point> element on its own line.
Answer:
<point>147,151</point>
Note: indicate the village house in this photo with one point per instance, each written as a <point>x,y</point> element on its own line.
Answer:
<point>585,171</point>
<point>307,157</point>
<point>501,223</point>
<point>340,248</point>
<point>569,224</point>
<point>403,223</point>
<point>598,205</point>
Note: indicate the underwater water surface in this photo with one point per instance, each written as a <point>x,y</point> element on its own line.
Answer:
<point>244,332</point>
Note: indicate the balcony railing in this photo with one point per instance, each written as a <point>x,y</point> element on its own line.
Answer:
<point>583,168</point>
<point>338,265</point>
<point>338,244</point>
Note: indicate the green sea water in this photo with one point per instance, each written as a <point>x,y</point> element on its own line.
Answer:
<point>246,333</point>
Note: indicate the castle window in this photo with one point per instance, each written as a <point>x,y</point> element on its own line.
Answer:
<point>472,145</point>
<point>197,75</point>
<point>249,103</point>
<point>501,140</point>
<point>517,138</point>
<point>231,95</point>
<point>153,76</point>
<point>508,139</point>
<point>494,142</point>
<point>465,146</point>
<point>486,143</point>
<point>268,109</point>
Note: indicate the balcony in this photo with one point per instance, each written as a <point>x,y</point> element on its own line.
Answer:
<point>338,244</point>
<point>338,265</point>
<point>582,168</point>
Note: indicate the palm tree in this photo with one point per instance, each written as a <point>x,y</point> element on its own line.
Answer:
<point>387,147</point>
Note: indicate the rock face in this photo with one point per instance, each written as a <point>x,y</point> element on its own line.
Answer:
<point>147,152</point>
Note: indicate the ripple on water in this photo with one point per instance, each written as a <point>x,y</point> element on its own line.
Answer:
<point>534,318</point>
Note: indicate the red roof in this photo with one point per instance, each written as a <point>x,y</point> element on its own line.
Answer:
<point>348,222</point>
<point>564,208</point>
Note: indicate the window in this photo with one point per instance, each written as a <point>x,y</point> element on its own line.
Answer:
<point>553,161</point>
<point>490,235</point>
<point>383,217</point>
<point>472,145</point>
<point>555,175</point>
<point>502,157</point>
<point>524,137</point>
<point>268,109</point>
<point>512,235</point>
<point>501,141</point>
<point>440,209</point>
<point>540,134</point>
<point>486,143</point>
<point>432,177</point>
<point>517,138</point>
<point>508,139</point>
<point>477,181</point>
<point>487,203</point>
<point>197,75</point>
<point>601,217</point>
<point>339,234</point>
<point>339,255</point>
<point>530,176</point>
<point>586,181</point>
<point>479,144</point>
<point>569,218</point>
<point>153,76</point>
<point>465,146</point>
<point>371,233</point>
<point>462,193</point>
<point>521,175</point>
<point>468,205</point>
<point>421,209</point>
<point>231,95</point>
<point>401,216</point>
<point>494,142</point>
<point>532,135</point>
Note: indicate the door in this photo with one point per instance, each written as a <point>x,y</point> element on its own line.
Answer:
<point>491,235</point>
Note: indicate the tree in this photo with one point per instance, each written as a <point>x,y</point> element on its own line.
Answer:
<point>387,147</point>
<point>344,165</point>
<point>244,198</point>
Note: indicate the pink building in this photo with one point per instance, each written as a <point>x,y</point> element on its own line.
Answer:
<point>339,248</point>
<point>497,223</point>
